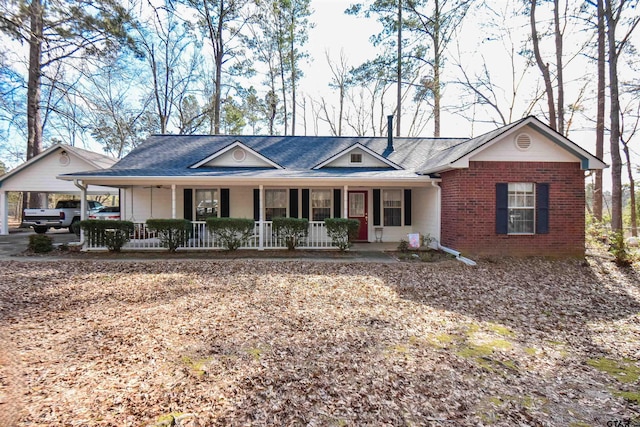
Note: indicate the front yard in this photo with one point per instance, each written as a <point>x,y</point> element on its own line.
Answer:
<point>257,342</point>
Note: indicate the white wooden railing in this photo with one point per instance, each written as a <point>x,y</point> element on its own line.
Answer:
<point>201,239</point>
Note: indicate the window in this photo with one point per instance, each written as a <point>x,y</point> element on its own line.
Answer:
<point>392,207</point>
<point>320,204</point>
<point>356,158</point>
<point>522,208</point>
<point>206,204</point>
<point>275,204</point>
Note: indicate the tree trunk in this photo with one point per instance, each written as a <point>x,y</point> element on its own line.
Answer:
<point>34,119</point>
<point>614,140</point>
<point>292,60</point>
<point>219,54</point>
<point>436,70</point>
<point>399,76</point>
<point>632,189</point>
<point>544,68</point>
<point>559,72</point>
<point>597,190</point>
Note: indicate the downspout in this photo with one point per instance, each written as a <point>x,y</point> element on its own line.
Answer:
<point>83,208</point>
<point>453,252</point>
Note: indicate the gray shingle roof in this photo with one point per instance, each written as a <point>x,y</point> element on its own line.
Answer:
<point>172,155</point>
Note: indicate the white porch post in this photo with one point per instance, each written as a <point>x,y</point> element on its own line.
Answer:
<point>122,194</point>
<point>4,213</point>
<point>261,220</point>
<point>173,201</point>
<point>83,203</point>
<point>345,200</point>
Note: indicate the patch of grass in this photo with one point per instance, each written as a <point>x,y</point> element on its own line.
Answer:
<point>531,351</point>
<point>475,351</point>
<point>500,329</point>
<point>168,419</point>
<point>631,396</point>
<point>255,352</point>
<point>626,372</point>
<point>197,366</point>
<point>578,424</point>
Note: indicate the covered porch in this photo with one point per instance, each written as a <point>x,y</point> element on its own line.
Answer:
<point>387,213</point>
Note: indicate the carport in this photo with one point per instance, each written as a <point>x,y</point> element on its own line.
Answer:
<point>39,174</point>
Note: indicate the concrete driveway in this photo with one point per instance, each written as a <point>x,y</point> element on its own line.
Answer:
<point>18,240</point>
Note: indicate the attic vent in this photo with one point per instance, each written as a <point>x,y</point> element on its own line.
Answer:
<point>64,159</point>
<point>523,141</point>
<point>239,155</point>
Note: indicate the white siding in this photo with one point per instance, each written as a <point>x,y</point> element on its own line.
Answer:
<point>541,150</point>
<point>41,175</point>
<point>425,212</point>
<point>149,202</point>
<point>227,160</point>
<point>241,201</point>
<point>368,161</point>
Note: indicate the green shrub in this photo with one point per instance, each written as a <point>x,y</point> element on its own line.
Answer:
<point>403,246</point>
<point>291,230</point>
<point>618,248</point>
<point>172,233</point>
<point>105,233</point>
<point>232,233</point>
<point>40,243</point>
<point>342,231</point>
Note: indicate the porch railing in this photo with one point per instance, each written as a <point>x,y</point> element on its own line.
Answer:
<point>201,239</point>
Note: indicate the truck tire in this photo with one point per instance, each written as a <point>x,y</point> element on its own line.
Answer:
<point>75,226</point>
<point>40,229</point>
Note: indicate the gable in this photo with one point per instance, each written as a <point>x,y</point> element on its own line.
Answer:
<point>39,173</point>
<point>525,145</point>
<point>357,156</point>
<point>236,155</point>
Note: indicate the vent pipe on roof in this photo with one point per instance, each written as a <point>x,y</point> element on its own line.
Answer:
<point>390,134</point>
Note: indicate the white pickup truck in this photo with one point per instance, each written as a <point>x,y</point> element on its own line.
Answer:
<point>65,214</point>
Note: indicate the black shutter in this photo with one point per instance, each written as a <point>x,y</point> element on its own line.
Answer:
<point>256,204</point>
<point>293,203</point>
<point>305,203</point>
<point>407,207</point>
<point>376,206</point>
<point>337,203</point>
<point>542,208</point>
<point>224,203</point>
<point>188,204</point>
<point>502,208</point>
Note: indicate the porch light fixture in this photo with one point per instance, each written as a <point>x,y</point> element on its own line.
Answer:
<point>378,231</point>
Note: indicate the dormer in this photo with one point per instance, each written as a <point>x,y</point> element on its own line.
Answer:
<point>357,156</point>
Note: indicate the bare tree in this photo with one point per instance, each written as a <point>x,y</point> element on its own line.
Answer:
<point>613,11</point>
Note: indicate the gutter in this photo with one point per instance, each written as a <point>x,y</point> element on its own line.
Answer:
<point>457,254</point>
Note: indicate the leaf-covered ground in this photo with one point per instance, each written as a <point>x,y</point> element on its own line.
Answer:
<point>258,342</point>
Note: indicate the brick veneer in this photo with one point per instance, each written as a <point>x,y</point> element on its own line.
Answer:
<point>469,209</point>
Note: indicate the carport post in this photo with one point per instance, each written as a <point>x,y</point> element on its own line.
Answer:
<point>83,204</point>
<point>4,213</point>
<point>261,219</point>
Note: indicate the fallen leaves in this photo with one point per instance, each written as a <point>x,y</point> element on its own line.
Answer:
<point>254,342</point>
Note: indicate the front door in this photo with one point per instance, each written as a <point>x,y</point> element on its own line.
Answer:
<point>358,210</point>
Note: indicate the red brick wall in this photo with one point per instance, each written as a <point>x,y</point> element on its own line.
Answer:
<point>469,209</point>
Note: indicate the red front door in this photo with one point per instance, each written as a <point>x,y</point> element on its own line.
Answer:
<point>358,210</point>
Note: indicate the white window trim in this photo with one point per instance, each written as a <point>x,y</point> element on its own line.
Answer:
<point>402,224</point>
<point>194,207</point>
<point>528,208</point>
<point>286,203</point>
<point>311,190</point>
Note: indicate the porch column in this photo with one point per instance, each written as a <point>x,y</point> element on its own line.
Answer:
<point>345,201</point>
<point>261,220</point>
<point>83,203</point>
<point>173,201</point>
<point>4,213</point>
